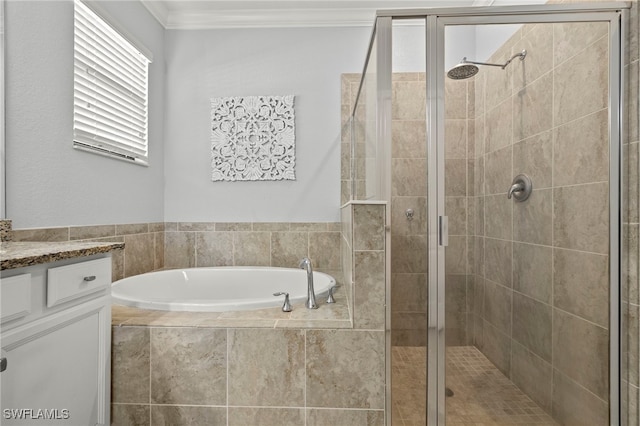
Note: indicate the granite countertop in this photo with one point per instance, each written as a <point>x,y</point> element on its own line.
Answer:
<point>20,254</point>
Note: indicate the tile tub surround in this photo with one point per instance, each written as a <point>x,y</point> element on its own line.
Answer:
<point>264,366</point>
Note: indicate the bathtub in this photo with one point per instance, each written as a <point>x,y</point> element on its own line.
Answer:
<point>217,289</point>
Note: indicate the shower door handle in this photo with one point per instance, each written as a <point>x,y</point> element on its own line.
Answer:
<point>443,231</point>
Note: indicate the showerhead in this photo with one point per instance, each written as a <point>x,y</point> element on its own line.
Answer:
<point>462,70</point>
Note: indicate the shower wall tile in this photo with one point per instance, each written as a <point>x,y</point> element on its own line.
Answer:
<point>532,218</point>
<point>409,254</point>
<point>533,375</point>
<point>499,80</point>
<point>497,306</point>
<point>532,271</point>
<point>369,295</point>
<point>572,404</point>
<point>569,78</point>
<point>455,97</point>
<point>581,284</point>
<point>345,369</point>
<point>130,415</point>
<point>571,38</point>
<point>581,351</point>
<point>538,42</point>
<point>532,325</point>
<point>130,352</point>
<point>399,222</point>
<point>456,211</point>
<point>410,293</point>
<point>531,106</point>
<point>266,367</point>
<point>189,366</point>
<point>498,175</point>
<point>456,312</point>
<point>497,261</point>
<point>456,261</point>
<point>533,157</point>
<point>407,176</point>
<point>497,347</point>
<point>577,209</point>
<point>581,150</point>
<point>261,416</point>
<point>409,139</point>
<point>455,178</point>
<point>408,100</point>
<point>498,217</point>
<point>455,138</point>
<point>175,415</point>
<point>499,126</point>
<point>329,417</point>
<point>368,227</point>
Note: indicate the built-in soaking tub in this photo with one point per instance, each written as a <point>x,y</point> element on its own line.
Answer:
<point>217,289</point>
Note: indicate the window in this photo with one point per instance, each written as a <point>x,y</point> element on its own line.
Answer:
<point>110,88</point>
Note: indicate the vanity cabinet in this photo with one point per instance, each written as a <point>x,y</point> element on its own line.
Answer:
<point>55,337</point>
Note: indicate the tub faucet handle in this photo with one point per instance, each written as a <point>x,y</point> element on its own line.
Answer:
<point>330,298</point>
<point>286,307</point>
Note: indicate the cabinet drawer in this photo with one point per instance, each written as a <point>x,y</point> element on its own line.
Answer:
<point>15,297</point>
<point>69,282</point>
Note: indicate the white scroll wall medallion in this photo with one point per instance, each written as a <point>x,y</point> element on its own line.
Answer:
<point>253,138</point>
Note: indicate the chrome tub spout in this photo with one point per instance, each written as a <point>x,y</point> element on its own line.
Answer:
<point>311,296</point>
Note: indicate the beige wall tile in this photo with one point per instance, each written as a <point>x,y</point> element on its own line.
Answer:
<point>497,261</point>
<point>498,212</point>
<point>139,254</point>
<point>497,348</point>
<point>455,138</point>
<point>409,138</point>
<point>369,291</point>
<point>179,250</point>
<point>261,416</point>
<point>323,249</point>
<point>531,108</point>
<point>93,231</point>
<point>532,218</point>
<point>499,126</point>
<point>455,179</point>
<point>409,254</point>
<point>497,306</point>
<point>498,174</point>
<point>368,227</point>
<point>532,271</point>
<point>574,405</point>
<point>538,42</point>
<point>132,228</point>
<point>130,353</point>
<point>581,150</point>
<point>577,209</point>
<point>456,261</point>
<point>407,177</point>
<point>288,248</point>
<point>399,222</point>
<point>569,78</point>
<point>408,100</point>
<point>456,210</point>
<point>189,366</point>
<point>533,375</point>
<point>176,415</point>
<point>532,325</point>
<point>214,249</point>
<point>266,367</point>
<point>571,38</point>
<point>581,284</point>
<point>533,157</point>
<point>130,415</point>
<point>334,417</point>
<point>581,351</point>
<point>41,234</point>
<point>345,369</point>
<point>252,248</point>
<point>409,293</point>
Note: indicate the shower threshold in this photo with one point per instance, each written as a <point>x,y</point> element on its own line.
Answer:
<point>481,393</point>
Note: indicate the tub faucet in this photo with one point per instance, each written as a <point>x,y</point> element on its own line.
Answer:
<point>311,297</point>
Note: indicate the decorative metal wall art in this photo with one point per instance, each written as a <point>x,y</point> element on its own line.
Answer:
<point>253,138</point>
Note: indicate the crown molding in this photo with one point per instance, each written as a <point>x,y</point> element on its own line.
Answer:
<point>158,10</point>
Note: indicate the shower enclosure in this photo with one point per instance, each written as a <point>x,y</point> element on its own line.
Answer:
<point>500,307</point>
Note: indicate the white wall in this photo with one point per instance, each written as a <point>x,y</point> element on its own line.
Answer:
<point>48,182</point>
<point>202,64</point>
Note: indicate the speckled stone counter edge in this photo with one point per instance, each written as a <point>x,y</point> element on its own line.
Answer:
<point>5,229</point>
<point>21,254</point>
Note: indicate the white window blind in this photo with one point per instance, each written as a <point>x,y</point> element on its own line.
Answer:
<point>110,90</point>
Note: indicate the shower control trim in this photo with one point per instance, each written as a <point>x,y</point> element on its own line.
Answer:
<point>521,188</point>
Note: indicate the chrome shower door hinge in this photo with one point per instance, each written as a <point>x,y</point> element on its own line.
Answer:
<point>443,231</point>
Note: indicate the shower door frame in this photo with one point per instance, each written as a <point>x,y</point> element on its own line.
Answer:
<point>616,14</point>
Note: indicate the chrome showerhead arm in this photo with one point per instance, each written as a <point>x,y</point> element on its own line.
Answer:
<point>520,55</point>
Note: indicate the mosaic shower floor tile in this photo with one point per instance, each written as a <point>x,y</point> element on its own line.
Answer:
<point>482,395</point>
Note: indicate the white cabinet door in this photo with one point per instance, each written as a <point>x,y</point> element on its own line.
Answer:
<point>57,368</point>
